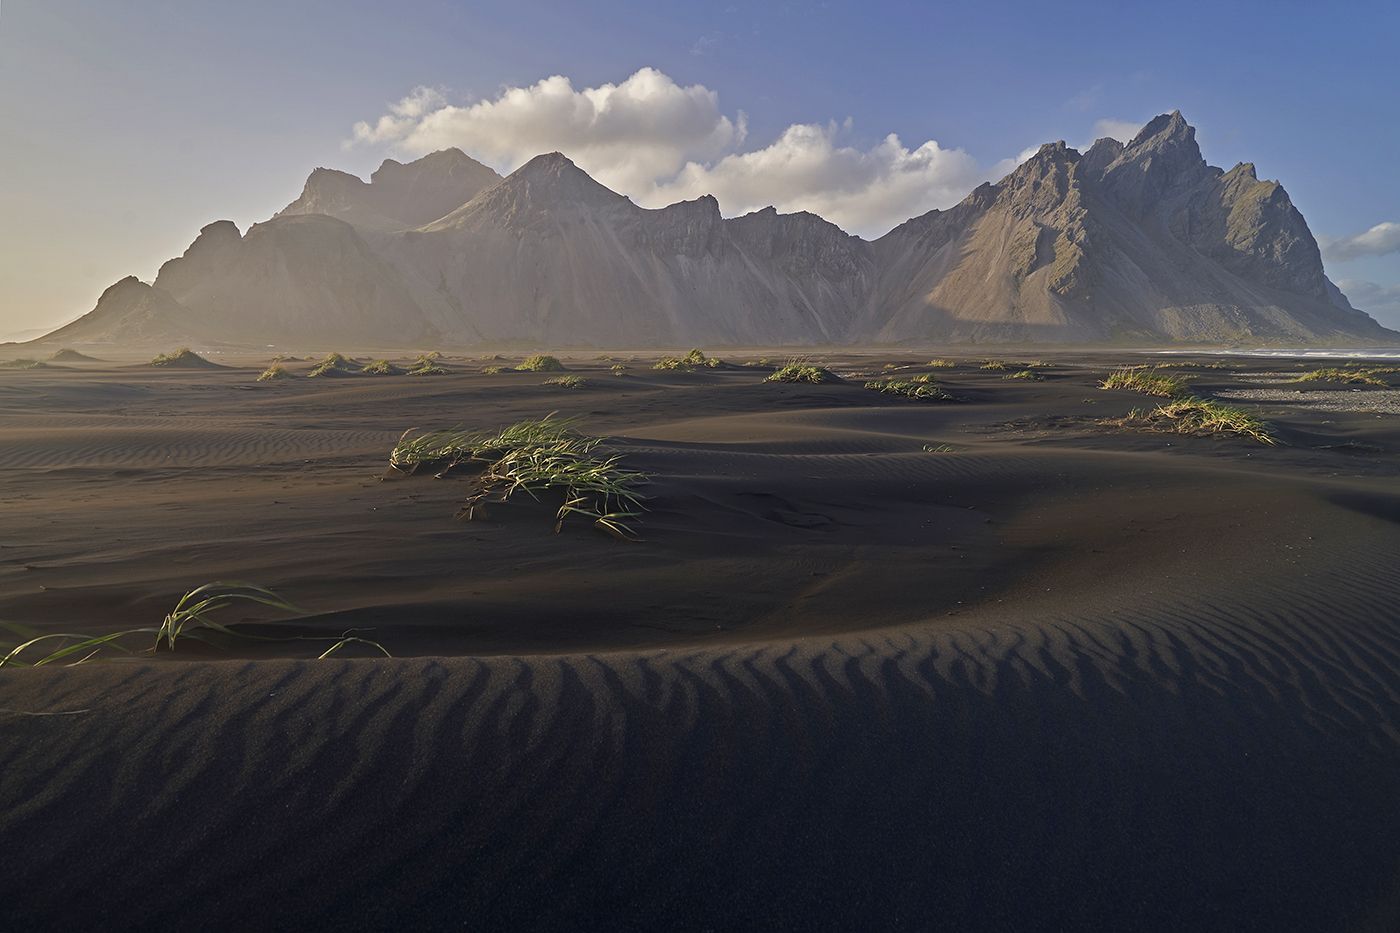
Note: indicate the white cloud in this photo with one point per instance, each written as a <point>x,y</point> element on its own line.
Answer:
<point>626,135</point>
<point>1121,130</point>
<point>807,169</point>
<point>1382,301</point>
<point>1381,239</point>
<point>657,141</point>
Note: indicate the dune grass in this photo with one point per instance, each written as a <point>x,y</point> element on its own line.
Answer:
<point>183,356</point>
<point>333,365</point>
<point>539,363</point>
<point>1145,380</point>
<point>995,366</point>
<point>1368,377</point>
<point>1201,417</point>
<point>566,382</point>
<point>1029,375</point>
<point>922,389</point>
<point>494,370</point>
<point>618,369</point>
<point>380,368</point>
<point>192,619</point>
<point>802,371</point>
<point>533,457</point>
<point>695,359</point>
<point>275,371</point>
<point>426,365</point>
<point>941,364</point>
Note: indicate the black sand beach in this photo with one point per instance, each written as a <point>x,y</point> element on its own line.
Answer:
<point>876,663</point>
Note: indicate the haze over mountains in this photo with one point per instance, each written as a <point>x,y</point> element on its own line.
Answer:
<point>1143,243</point>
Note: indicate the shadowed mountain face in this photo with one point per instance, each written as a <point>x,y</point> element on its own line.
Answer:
<point>1136,243</point>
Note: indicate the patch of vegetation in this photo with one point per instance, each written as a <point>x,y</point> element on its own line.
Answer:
<point>533,456</point>
<point>618,369</point>
<point>566,382</point>
<point>1027,374</point>
<point>939,448</point>
<point>192,619</point>
<point>332,365</point>
<point>184,356</point>
<point>495,370</point>
<point>424,365</point>
<point>381,368</point>
<point>993,365</point>
<point>802,371</point>
<point>941,364</point>
<point>275,371</point>
<point>1147,381</point>
<point>540,363</point>
<point>695,359</point>
<point>909,388</point>
<point>1347,376</point>
<point>1203,417</point>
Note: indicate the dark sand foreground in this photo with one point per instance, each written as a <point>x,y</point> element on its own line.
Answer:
<point>1057,675</point>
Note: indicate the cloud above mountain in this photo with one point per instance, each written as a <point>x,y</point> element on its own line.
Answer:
<point>1380,240</point>
<point>658,141</point>
<point>1382,301</point>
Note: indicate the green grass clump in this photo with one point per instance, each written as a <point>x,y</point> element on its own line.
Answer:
<point>1027,374</point>
<point>993,366</point>
<point>618,369</point>
<point>1347,376</point>
<point>1198,416</point>
<point>192,619</point>
<point>941,364</point>
<point>541,364</point>
<point>1144,380</point>
<point>381,368</point>
<point>332,365</point>
<point>910,388</point>
<point>275,371</point>
<point>695,359</point>
<point>533,456</point>
<point>494,370</point>
<point>802,371</point>
<point>567,382</point>
<point>426,365</point>
<point>184,356</point>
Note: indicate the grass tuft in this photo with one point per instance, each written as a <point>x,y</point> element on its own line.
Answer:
<point>275,371</point>
<point>1203,417</point>
<point>540,363</point>
<point>802,371</point>
<point>923,389</point>
<point>534,456</point>
<point>381,368</point>
<point>184,356</point>
<point>618,369</point>
<point>192,619</point>
<point>941,364</point>
<point>695,359</point>
<point>332,365</point>
<point>1027,374</point>
<point>494,370</point>
<point>1147,381</point>
<point>1348,376</point>
<point>567,382</point>
<point>426,365</point>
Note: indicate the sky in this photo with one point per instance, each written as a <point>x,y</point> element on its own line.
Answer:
<point>128,126</point>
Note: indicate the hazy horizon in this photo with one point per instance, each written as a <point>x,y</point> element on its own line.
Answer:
<point>150,122</point>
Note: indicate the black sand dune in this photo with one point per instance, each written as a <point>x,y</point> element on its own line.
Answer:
<point>1055,676</point>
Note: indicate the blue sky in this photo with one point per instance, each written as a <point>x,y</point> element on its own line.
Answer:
<point>128,126</point>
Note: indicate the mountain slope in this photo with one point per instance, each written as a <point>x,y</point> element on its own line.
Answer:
<point>1136,243</point>
<point>397,196</point>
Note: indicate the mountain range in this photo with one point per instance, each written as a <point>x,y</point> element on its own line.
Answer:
<point>1141,243</point>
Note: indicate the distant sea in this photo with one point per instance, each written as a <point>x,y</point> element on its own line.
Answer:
<point>1329,353</point>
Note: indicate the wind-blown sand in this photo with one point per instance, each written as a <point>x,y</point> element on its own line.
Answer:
<point>1061,676</point>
